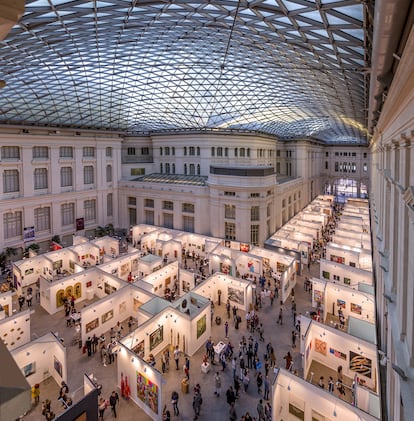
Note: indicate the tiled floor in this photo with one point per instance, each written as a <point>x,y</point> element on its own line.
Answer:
<point>213,408</point>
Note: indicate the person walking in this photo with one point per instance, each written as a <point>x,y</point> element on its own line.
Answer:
<point>288,359</point>
<point>217,384</point>
<point>226,329</point>
<point>113,400</point>
<point>232,412</point>
<point>21,302</point>
<point>259,382</point>
<point>174,401</point>
<point>230,396</point>
<point>197,401</point>
<point>260,410</point>
<point>36,393</point>
<point>176,357</point>
<point>101,408</point>
<point>266,388</point>
<point>29,297</point>
<point>280,318</point>
<point>294,339</point>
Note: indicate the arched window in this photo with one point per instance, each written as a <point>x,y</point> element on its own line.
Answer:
<point>185,169</point>
<point>161,168</point>
<point>198,169</point>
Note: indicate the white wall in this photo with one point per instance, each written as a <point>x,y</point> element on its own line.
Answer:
<point>15,329</point>
<point>354,275</point>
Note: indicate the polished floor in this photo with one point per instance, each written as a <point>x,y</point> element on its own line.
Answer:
<point>213,407</point>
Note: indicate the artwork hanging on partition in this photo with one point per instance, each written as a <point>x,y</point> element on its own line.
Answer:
<point>139,349</point>
<point>341,303</point>
<point>337,353</point>
<point>92,325</point>
<point>57,365</point>
<point>320,346</point>
<point>124,269</point>
<point>280,267</point>
<point>201,325</point>
<point>122,307</point>
<point>245,247</point>
<point>356,308</point>
<point>316,416</point>
<point>360,364</point>
<point>225,268</point>
<point>318,296</point>
<point>156,337</point>
<point>347,281</point>
<point>337,259</point>
<point>107,316</point>
<point>147,392</point>
<point>137,304</point>
<point>29,369</point>
<point>326,275</point>
<point>236,295</point>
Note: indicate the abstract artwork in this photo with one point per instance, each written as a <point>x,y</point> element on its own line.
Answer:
<point>320,346</point>
<point>57,365</point>
<point>356,308</point>
<point>236,295</point>
<point>147,392</point>
<point>341,303</point>
<point>29,369</point>
<point>360,364</point>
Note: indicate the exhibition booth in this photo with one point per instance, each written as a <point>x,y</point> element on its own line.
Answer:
<point>6,304</point>
<point>351,256</point>
<point>123,266</point>
<point>15,329</point>
<point>347,226</point>
<point>144,382</point>
<point>344,308</point>
<point>220,287</point>
<point>296,399</point>
<point>302,229</point>
<point>164,282</point>
<point>116,306</point>
<point>345,238</point>
<point>347,275</point>
<point>89,254</point>
<point>148,264</point>
<point>331,348</point>
<point>42,358</point>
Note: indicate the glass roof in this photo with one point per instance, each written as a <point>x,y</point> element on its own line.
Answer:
<point>287,68</point>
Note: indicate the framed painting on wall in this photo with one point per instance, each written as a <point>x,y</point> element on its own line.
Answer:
<point>360,364</point>
<point>57,365</point>
<point>356,308</point>
<point>320,346</point>
<point>325,274</point>
<point>107,316</point>
<point>347,281</point>
<point>156,337</point>
<point>29,369</point>
<point>139,349</point>
<point>340,303</point>
<point>201,325</point>
<point>93,324</point>
<point>236,295</point>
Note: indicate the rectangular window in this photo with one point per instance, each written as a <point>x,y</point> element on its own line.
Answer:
<point>88,174</point>
<point>108,152</point>
<point>12,224</point>
<point>149,217</point>
<point>137,171</point>
<point>229,193</point>
<point>11,181</point>
<point>278,152</point>
<point>336,166</point>
<point>188,223</point>
<point>68,214</point>
<point>219,151</point>
<point>365,167</point>
<point>229,230</point>
<point>149,203</point>
<point>109,205</point>
<point>42,219</point>
<point>144,151</point>
<point>130,151</point>
<point>326,154</point>
<point>255,213</point>
<point>254,195</point>
<point>185,150</point>
<point>236,152</point>
<point>89,207</point>
<point>40,152</point>
<point>40,178</point>
<point>167,205</point>
<point>132,215</point>
<point>230,211</point>
<point>191,150</point>
<point>283,203</point>
<point>168,220</point>
<point>188,207</point>
<point>10,152</point>
<point>254,234</point>
<point>365,154</point>
<point>353,153</point>
<point>132,201</point>
<point>173,150</point>
<point>192,169</point>
<point>66,176</point>
<point>326,165</point>
<point>88,152</point>
<point>108,173</point>
<point>66,152</point>
<point>167,150</point>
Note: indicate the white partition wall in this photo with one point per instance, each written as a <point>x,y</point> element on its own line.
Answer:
<point>15,329</point>
<point>42,358</point>
<point>343,274</point>
<point>295,399</point>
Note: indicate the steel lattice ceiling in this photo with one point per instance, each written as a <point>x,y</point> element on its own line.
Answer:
<point>289,68</point>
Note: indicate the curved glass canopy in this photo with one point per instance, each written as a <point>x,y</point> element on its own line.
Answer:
<point>292,68</point>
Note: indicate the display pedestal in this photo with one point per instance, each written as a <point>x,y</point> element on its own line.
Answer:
<point>205,368</point>
<point>184,386</point>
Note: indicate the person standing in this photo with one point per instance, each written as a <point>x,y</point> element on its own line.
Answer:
<point>293,339</point>
<point>226,329</point>
<point>230,396</point>
<point>113,400</point>
<point>174,401</point>
<point>288,359</point>
<point>36,393</point>
<point>232,413</point>
<point>29,297</point>
<point>101,408</point>
<point>217,384</point>
<point>177,357</point>
<point>21,302</point>
<point>259,382</point>
<point>331,386</point>
<point>280,318</point>
<point>260,410</point>
<point>266,388</point>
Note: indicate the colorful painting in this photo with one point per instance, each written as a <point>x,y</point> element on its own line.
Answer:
<point>225,268</point>
<point>57,365</point>
<point>356,308</point>
<point>347,281</point>
<point>318,296</point>
<point>107,316</point>
<point>360,364</point>
<point>92,325</point>
<point>201,325</point>
<point>341,303</point>
<point>320,346</point>
<point>280,267</point>
<point>326,275</point>
<point>337,259</point>
<point>137,304</point>
<point>147,392</point>
<point>236,295</point>
<point>245,247</point>
<point>156,337</point>
<point>337,353</point>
